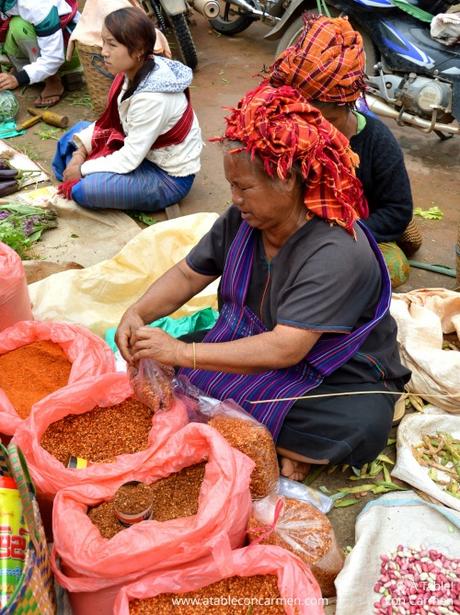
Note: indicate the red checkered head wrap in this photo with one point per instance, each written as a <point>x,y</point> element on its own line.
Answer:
<point>285,131</point>
<point>326,63</point>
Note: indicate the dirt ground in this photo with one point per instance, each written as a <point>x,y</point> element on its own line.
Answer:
<point>227,68</point>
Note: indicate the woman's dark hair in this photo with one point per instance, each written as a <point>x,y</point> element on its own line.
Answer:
<point>132,28</point>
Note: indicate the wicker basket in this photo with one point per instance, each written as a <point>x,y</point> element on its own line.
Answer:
<point>97,78</point>
<point>411,240</point>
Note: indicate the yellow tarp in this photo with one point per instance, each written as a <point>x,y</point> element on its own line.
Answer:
<point>97,296</point>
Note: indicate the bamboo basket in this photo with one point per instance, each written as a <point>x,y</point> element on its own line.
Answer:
<point>98,79</point>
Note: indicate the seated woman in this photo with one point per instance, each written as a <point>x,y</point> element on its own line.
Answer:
<point>144,151</point>
<point>34,33</point>
<point>326,65</point>
<point>304,295</point>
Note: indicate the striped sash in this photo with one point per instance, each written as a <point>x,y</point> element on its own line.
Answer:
<point>236,320</point>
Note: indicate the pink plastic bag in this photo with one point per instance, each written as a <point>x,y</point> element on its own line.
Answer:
<point>48,473</point>
<point>14,297</point>
<point>88,353</point>
<point>91,563</point>
<point>295,581</point>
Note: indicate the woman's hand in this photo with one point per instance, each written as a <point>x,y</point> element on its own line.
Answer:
<point>153,343</point>
<point>72,171</point>
<point>125,334</point>
<point>8,81</point>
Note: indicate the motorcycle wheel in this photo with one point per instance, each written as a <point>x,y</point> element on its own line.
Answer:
<point>184,40</point>
<point>291,34</point>
<point>232,20</point>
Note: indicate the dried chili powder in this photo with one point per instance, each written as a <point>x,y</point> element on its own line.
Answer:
<point>173,497</point>
<point>31,372</point>
<point>132,498</point>
<point>101,434</point>
<point>254,440</point>
<point>262,589</point>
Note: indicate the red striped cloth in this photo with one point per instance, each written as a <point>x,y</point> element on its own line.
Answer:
<point>284,130</point>
<point>326,63</point>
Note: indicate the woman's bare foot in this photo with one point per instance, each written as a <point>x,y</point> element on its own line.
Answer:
<point>51,93</point>
<point>295,470</point>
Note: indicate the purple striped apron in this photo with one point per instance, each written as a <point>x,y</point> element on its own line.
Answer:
<point>236,320</point>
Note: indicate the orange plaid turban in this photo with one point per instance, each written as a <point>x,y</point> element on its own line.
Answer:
<point>283,129</point>
<point>326,63</point>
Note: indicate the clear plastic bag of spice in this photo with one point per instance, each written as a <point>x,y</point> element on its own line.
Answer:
<point>152,384</point>
<point>302,529</point>
<point>246,434</point>
<point>240,429</point>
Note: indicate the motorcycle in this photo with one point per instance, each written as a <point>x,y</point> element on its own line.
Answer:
<point>172,15</point>
<point>411,77</point>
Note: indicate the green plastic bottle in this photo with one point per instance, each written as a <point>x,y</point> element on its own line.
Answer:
<point>14,538</point>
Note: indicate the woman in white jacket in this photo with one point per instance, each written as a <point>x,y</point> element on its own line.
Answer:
<point>144,151</point>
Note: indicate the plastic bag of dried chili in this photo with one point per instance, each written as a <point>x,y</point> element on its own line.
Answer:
<point>302,529</point>
<point>239,428</point>
<point>191,515</point>
<point>30,369</point>
<point>57,416</point>
<point>237,583</point>
<point>245,433</point>
<point>152,384</point>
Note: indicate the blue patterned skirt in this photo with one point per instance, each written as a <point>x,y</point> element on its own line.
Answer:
<point>147,188</point>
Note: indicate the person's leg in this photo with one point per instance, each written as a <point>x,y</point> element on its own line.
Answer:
<point>65,148</point>
<point>22,48</point>
<point>21,43</point>
<point>397,263</point>
<point>147,188</point>
<point>350,429</point>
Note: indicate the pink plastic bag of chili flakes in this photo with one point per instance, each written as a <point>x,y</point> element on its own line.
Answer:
<point>103,392</point>
<point>152,383</point>
<point>88,353</point>
<point>302,529</point>
<point>94,567</point>
<point>294,590</point>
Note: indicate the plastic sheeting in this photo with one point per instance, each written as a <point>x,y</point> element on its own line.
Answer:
<point>83,236</point>
<point>423,316</point>
<point>98,296</point>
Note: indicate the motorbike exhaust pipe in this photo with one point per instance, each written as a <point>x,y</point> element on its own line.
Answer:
<point>208,8</point>
<point>381,108</point>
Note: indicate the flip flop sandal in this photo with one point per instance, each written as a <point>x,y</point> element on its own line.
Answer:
<point>44,105</point>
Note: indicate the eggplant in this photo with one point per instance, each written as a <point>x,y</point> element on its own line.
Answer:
<point>6,174</point>
<point>8,187</point>
<point>4,164</point>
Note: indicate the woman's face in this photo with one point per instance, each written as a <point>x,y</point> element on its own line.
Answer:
<point>116,56</point>
<point>264,203</point>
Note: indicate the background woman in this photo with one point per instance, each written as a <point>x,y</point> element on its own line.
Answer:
<point>144,151</point>
<point>34,33</point>
<point>326,65</point>
<point>304,293</point>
